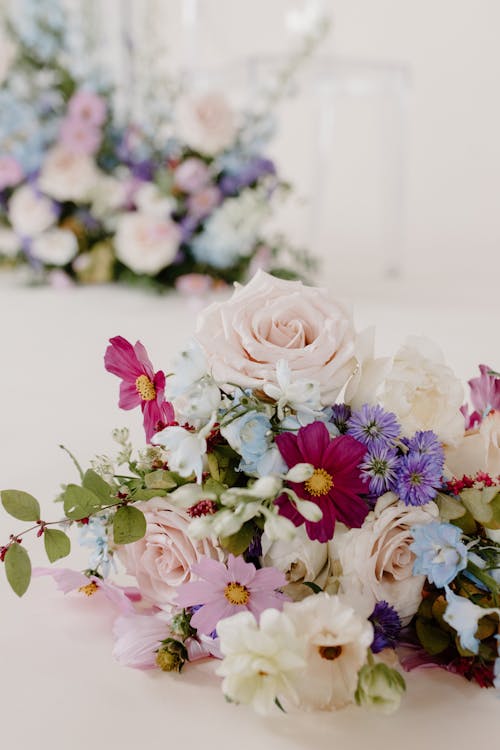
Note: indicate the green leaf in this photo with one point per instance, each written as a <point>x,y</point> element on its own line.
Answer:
<point>142,494</point>
<point>96,484</point>
<point>129,525</point>
<point>21,505</point>
<point>239,542</point>
<point>57,544</point>
<point>160,480</point>
<point>18,568</point>
<point>79,502</point>
<point>449,508</point>
<point>432,638</point>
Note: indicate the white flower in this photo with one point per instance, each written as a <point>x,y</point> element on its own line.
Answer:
<point>199,401</point>
<point>66,176</point>
<point>301,396</point>
<point>57,247</point>
<point>478,451</point>
<point>337,642</point>
<point>421,390</point>
<point>300,559</point>
<point>464,616</point>
<point>261,662</point>
<point>206,122</point>
<point>108,195</point>
<point>186,450</point>
<point>380,688</point>
<point>369,373</point>
<point>9,243</point>
<point>30,213</point>
<point>190,365</point>
<point>146,244</point>
<point>376,560</point>
<point>152,202</point>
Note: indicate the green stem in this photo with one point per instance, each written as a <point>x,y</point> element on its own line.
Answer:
<point>486,579</point>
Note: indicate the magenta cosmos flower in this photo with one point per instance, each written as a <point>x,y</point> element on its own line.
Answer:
<point>226,589</point>
<point>336,484</point>
<point>141,385</point>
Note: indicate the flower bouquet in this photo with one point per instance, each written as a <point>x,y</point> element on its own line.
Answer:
<point>310,517</point>
<point>181,197</point>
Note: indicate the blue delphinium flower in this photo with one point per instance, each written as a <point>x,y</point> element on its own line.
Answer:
<point>439,552</point>
<point>419,478</point>
<point>95,536</point>
<point>250,435</point>
<point>340,415</point>
<point>386,627</point>
<point>372,425</point>
<point>380,468</point>
<point>426,443</point>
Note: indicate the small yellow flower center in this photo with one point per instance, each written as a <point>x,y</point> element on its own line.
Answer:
<point>330,652</point>
<point>235,593</point>
<point>319,484</point>
<point>89,589</point>
<point>145,388</point>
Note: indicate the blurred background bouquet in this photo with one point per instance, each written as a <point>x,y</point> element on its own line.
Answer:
<point>182,194</point>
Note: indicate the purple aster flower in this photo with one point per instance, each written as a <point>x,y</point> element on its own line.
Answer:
<point>227,588</point>
<point>340,415</point>
<point>372,425</point>
<point>386,626</point>
<point>426,443</point>
<point>419,478</point>
<point>380,468</point>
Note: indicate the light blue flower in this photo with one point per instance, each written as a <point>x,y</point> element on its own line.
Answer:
<point>464,617</point>
<point>249,435</point>
<point>94,535</point>
<point>440,553</point>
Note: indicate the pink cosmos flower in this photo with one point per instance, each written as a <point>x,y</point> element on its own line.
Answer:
<point>80,136</point>
<point>485,396</point>
<point>87,107</point>
<point>138,636</point>
<point>68,581</point>
<point>10,172</point>
<point>336,484</point>
<point>226,589</point>
<point>140,385</point>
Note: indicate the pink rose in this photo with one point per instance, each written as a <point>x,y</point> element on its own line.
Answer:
<point>207,123</point>
<point>162,560</point>
<point>270,320</point>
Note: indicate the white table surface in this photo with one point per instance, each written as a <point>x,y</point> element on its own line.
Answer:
<point>59,686</point>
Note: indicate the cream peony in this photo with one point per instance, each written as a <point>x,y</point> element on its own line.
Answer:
<point>146,244</point>
<point>206,122</point>
<point>376,560</point>
<point>57,247</point>
<point>66,176</point>
<point>270,320</point>
<point>162,560</point>
<point>421,390</point>
<point>30,213</point>
<point>478,451</point>
<point>300,559</point>
<point>337,642</point>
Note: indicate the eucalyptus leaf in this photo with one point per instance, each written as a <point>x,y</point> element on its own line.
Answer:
<point>21,505</point>
<point>80,502</point>
<point>433,639</point>
<point>96,484</point>
<point>18,568</point>
<point>142,494</point>
<point>57,544</point>
<point>160,480</point>
<point>129,525</point>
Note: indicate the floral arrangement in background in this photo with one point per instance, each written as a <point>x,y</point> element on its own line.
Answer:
<point>308,516</point>
<point>88,196</point>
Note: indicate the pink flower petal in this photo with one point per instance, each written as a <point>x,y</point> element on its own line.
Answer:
<point>206,618</point>
<point>268,578</point>
<point>198,592</point>
<point>129,397</point>
<point>143,360</point>
<point>121,359</point>
<point>211,570</point>
<point>313,440</point>
<point>66,580</point>
<point>240,571</point>
<point>287,445</point>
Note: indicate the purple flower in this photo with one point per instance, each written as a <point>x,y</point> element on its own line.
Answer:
<point>419,478</point>
<point>380,468</point>
<point>372,425</point>
<point>226,589</point>
<point>426,443</point>
<point>340,415</point>
<point>248,173</point>
<point>386,626</point>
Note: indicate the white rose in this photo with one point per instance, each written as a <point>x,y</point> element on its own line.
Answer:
<point>300,559</point>
<point>66,176</point>
<point>108,194</point>
<point>478,451</point>
<point>30,213</point>
<point>146,244</point>
<point>9,243</point>
<point>206,123</point>
<point>149,200</point>
<point>269,320</point>
<point>376,559</point>
<point>56,247</point>
<point>421,390</point>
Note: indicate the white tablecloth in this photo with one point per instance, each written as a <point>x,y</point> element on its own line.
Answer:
<point>59,686</point>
